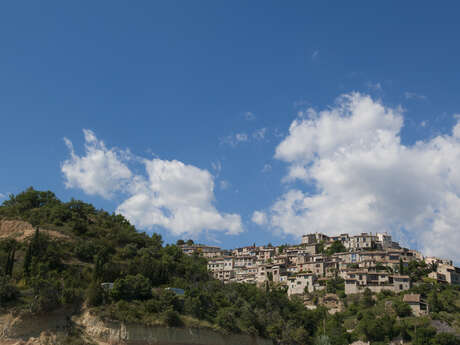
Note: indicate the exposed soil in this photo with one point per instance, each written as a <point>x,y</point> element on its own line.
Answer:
<point>21,230</point>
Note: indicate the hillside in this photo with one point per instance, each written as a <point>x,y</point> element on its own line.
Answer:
<point>55,255</point>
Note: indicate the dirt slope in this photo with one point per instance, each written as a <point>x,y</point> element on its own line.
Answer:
<point>21,230</point>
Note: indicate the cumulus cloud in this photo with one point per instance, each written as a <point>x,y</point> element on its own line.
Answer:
<point>259,218</point>
<point>358,176</point>
<point>2,196</point>
<point>177,197</point>
<point>171,194</point>
<point>99,172</point>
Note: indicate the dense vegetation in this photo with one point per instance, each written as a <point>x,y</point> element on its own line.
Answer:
<point>44,273</point>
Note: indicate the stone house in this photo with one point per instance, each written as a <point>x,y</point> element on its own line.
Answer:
<point>362,241</point>
<point>446,274</point>
<point>245,261</point>
<point>301,282</point>
<point>418,306</point>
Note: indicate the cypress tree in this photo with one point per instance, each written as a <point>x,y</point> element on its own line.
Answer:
<point>401,266</point>
<point>10,262</point>
<point>36,242</point>
<point>28,260</point>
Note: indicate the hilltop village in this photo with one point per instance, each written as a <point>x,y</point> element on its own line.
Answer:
<point>73,274</point>
<point>367,260</point>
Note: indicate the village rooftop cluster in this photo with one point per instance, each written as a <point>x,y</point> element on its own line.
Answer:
<point>367,260</point>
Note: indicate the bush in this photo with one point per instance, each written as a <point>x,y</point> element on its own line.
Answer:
<point>424,336</point>
<point>402,309</point>
<point>445,339</point>
<point>172,318</point>
<point>226,319</point>
<point>131,288</point>
<point>86,250</point>
<point>95,294</point>
<point>47,295</point>
<point>8,292</point>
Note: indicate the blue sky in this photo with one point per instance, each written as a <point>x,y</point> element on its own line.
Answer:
<point>210,89</point>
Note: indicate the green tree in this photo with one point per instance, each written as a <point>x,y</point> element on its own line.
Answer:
<point>95,294</point>
<point>402,309</point>
<point>401,266</point>
<point>131,288</point>
<point>424,336</point>
<point>8,292</point>
<point>367,299</point>
<point>227,319</point>
<point>172,318</point>
<point>445,339</point>
<point>434,302</point>
<point>336,247</point>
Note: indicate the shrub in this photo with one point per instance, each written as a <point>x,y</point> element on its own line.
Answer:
<point>402,309</point>
<point>131,288</point>
<point>95,294</point>
<point>172,318</point>
<point>8,292</point>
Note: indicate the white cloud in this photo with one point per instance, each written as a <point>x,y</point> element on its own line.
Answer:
<point>234,140</point>
<point>178,197</point>
<point>240,137</point>
<point>217,167</point>
<point>259,134</point>
<point>260,218</point>
<point>249,116</point>
<point>267,168</point>
<point>172,195</point>
<point>361,178</point>
<point>224,185</point>
<point>413,95</point>
<point>374,86</point>
<point>423,123</point>
<point>100,172</point>
<point>2,196</point>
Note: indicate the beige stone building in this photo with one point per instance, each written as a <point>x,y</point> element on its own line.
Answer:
<point>301,283</point>
<point>418,306</point>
